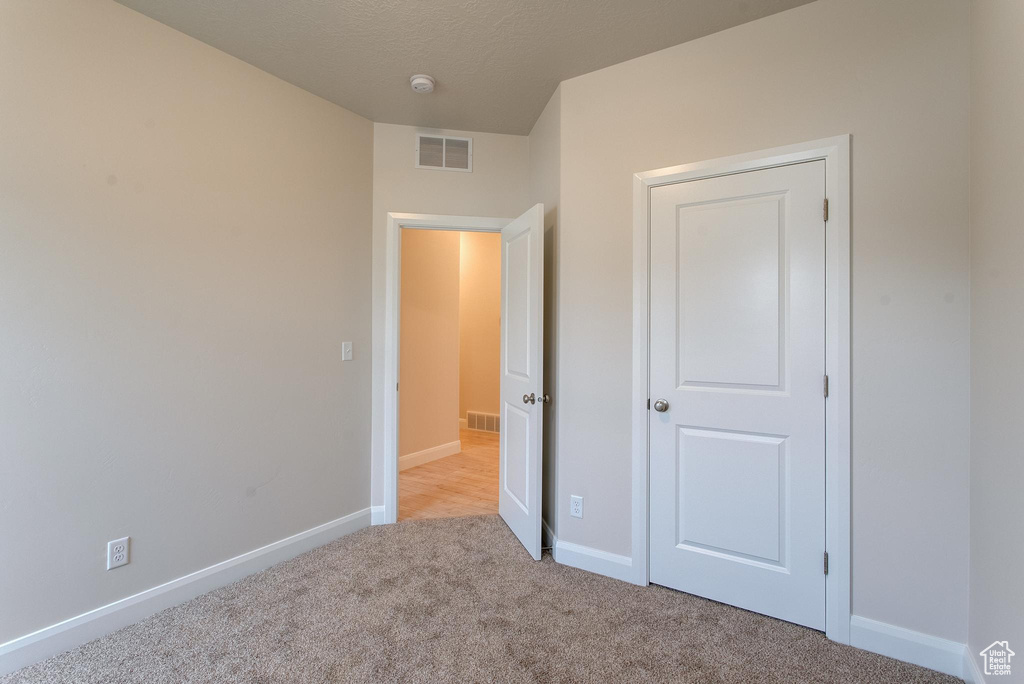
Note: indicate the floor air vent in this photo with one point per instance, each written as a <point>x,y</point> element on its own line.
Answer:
<point>488,422</point>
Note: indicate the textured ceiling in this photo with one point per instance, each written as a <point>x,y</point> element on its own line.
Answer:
<point>496,62</point>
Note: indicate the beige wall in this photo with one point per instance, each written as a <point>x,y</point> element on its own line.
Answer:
<point>496,187</point>
<point>895,76</point>
<point>184,245</point>
<point>545,186</point>
<point>428,403</point>
<point>997,325</point>
<point>479,322</point>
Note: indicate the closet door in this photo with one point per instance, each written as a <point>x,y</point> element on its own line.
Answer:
<point>737,363</point>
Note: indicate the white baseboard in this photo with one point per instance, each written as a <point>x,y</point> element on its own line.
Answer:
<point>427,455</point>
<point>73,632</point>
<point>377,515</point>
<point>547,537</point>
<point>943,655</point>
<point>972,671</point>
<point>904,644</point>
<point>593,560</point>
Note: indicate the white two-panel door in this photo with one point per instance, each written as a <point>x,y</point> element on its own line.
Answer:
<point>522,376</point>
<point>737,362</point>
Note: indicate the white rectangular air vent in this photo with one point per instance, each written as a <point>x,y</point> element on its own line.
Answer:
<point>444,152</point>
<point>487,422</point>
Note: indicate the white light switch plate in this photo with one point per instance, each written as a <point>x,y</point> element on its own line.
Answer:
<point>117,552</point>
<point>346,351</point>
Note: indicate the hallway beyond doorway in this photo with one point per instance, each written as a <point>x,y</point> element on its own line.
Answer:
<point>465,483</point>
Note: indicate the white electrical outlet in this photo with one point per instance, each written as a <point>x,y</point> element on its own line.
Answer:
<point>576,506</point>
<point>346,351</point>
<point>117,552</point>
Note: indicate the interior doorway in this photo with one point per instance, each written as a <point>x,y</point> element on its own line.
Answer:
<point>521,369</point>
<point>449,348</point>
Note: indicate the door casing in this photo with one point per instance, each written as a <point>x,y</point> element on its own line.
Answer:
<point>392,297</point>
<point>836,154</point>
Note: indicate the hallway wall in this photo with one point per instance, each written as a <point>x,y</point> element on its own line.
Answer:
<point>479,323</point>
<point>428,400</point>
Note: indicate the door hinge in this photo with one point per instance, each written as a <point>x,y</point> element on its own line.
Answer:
<point>648,403</point>
<point>826,387</point>
<point>825,211</point>
<point>826,562</point>
<point>396,386</point>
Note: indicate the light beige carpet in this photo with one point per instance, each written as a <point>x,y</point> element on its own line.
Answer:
<point>457,600</point>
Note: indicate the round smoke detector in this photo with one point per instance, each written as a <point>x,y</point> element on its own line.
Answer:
<point>421,83</point>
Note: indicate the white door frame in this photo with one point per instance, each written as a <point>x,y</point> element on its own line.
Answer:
<point>392,302</point>
<point>836,154</point>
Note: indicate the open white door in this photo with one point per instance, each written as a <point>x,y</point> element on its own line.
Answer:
<point>522,376</point>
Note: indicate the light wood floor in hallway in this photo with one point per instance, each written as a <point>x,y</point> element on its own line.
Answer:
<point>465,483</point>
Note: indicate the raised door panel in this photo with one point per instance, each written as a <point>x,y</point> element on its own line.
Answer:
<point>517,267</point>
<point>731,494</point>
<point>730,292</point>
